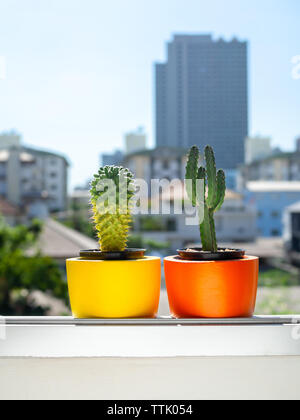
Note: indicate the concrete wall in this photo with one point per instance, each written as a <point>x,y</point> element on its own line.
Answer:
<point>59,358</point>
<point>138,379</point>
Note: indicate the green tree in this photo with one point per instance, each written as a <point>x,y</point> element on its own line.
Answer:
<point>21,272</point>
<point>137,241</point>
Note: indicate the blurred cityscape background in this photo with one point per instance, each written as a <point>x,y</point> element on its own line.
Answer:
<point>201,94</point>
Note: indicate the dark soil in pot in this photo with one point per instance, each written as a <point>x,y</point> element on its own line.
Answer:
<point>223,254</point>
<point>128,254</point>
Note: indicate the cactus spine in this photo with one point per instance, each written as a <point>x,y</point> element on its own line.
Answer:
<point>214,192</point>
<point>111,208</point>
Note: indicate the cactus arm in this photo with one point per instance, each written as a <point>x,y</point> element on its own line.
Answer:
<point>221,189</point>
<point>208,232</point>
<point>202,177</point>
<point>191,174</point>
<point>205,231</point>
<point>214,245</point>
<point>211,176</point>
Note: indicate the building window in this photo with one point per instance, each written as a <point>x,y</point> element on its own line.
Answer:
<point>171,225</point>
<point>275,214</point>
<point>165,164</point>
<point>3,188</point>
<point>275,232</point>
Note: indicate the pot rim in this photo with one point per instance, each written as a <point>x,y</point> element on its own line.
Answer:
<point>128,254</point>
<point>175,259</point>
<point>223,254</point>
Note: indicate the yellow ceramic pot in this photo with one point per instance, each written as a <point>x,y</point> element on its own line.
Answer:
<point>114,289</point>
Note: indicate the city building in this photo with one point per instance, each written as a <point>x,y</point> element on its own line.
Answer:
<point>235,222</point>
<point>9,139</point>
<point>232,177</point>
<point>32,179</point>
<point>257,148</point>
<point>115,159</point>
<point>270,199</point>
<point>292,233</point>
<point>135,141</point>
<point>167,163</point>
<point>81,198</point>
<point>202,97</point>
<point>279,167</point>
<point>160,163</point>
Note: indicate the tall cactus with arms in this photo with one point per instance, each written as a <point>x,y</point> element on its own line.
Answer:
<point>214,192</point>
<point>113,217</point>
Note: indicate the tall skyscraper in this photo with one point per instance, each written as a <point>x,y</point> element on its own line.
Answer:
<point>202,96</point>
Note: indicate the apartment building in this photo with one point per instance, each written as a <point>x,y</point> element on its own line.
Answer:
<point>31,178</point>
<point>281,167</point>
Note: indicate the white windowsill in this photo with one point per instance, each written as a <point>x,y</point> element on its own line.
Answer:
<point>69,341</point>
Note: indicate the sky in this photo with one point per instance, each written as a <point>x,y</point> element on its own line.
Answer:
<point>79,73</point>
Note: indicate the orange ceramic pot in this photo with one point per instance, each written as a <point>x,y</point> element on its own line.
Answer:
<point>212,289</point>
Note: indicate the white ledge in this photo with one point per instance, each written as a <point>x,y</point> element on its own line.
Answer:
<point>161,341</point>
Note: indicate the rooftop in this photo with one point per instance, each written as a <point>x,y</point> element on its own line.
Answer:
<point>60,242</point>
<point>28,154</point>
<point>273,186</point>
<point>276,156</point>
<point>157,150</point>
<point>81,194</point>
<point>294,207</point>
<point>201,38</point>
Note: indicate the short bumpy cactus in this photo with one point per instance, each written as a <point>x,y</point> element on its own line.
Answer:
<point>214,193</point>
<point>111,207</point>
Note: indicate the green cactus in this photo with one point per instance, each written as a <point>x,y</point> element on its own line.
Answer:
<point>113,217</point>
<point>214,193</point>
